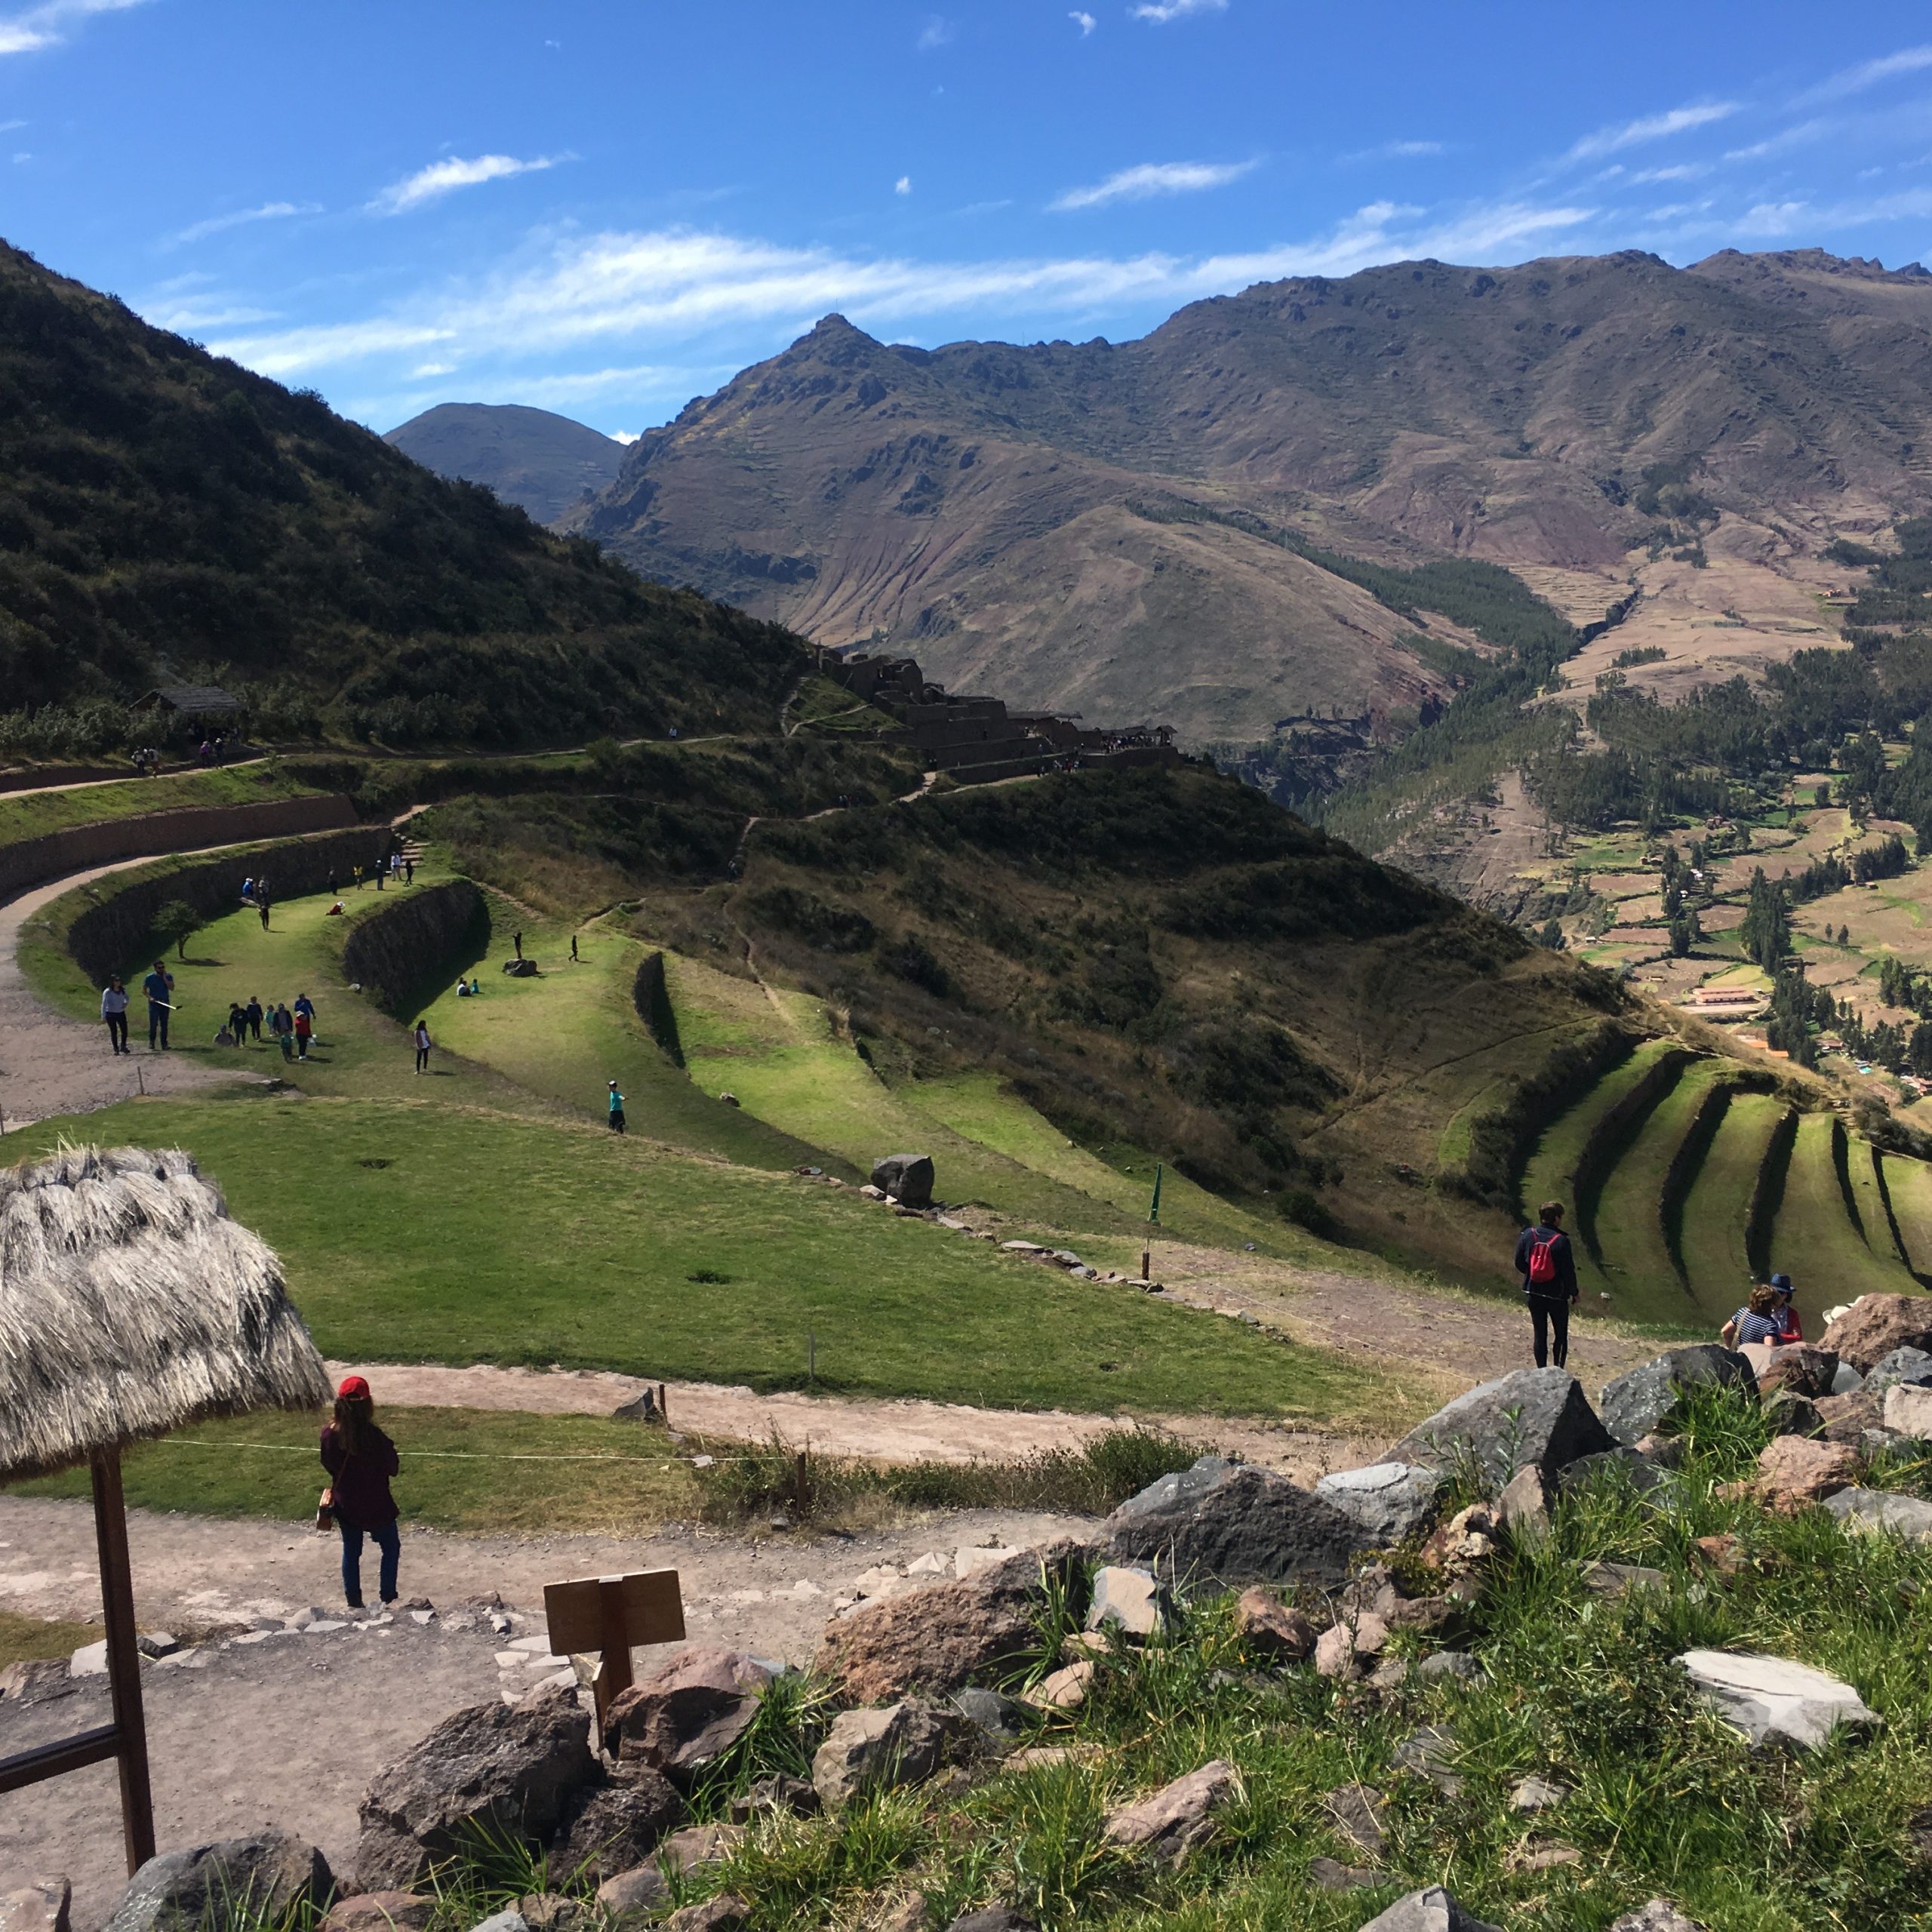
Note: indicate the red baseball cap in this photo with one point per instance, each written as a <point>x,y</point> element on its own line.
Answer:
<point>353,1389</point>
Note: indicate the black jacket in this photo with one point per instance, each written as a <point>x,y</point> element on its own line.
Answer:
<point>1564,1288</point>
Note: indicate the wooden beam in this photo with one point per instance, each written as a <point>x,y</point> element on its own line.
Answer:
<point>63,1755</point>
<point>124,1659</point>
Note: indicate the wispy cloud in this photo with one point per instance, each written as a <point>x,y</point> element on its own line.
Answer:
<point>444,177</point>
<point>1795,217</point>
<point>1160,12</point>
<point>1651,127</point>
<point>938,31</point>
<point>904,185</point>
<point>1398,151</point>
<point>1151,178</point>
<point>1688,170</point>
<point>1085,21</point>
<point>46,24</point>
<point>1867,74</point>
<point>217,224</point>
<point>1802,135</point>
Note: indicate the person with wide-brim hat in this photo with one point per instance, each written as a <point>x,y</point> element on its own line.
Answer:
<point>1790,1328</point>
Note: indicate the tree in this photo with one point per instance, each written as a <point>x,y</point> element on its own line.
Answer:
<point>1551,935</point>
<point>1684,933</point>
<point>174,923</point>
<point>1920,1052</point>
<point>1766,932</point>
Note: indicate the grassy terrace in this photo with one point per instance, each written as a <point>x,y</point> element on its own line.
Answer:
<point>32,814</point>
<point>1715,1257</point>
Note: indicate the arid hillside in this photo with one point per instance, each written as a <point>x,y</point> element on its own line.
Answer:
<point>1121,529</point>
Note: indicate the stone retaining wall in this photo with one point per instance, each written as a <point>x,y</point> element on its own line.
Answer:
<point>422,938</point>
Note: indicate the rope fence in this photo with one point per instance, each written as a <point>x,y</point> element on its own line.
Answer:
<point>465,1455</point>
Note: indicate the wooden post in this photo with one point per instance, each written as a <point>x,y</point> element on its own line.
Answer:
<point>124,1659</point>
<point>614,1675</point>
<point>663,1412</point>
<point>800,1487</point>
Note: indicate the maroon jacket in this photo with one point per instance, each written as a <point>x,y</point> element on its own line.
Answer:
<point>361,1482</point>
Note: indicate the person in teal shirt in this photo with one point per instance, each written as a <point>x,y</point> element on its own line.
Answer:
<point>616,1109</point>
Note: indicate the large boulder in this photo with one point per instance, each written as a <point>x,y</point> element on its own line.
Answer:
<point>1874,1325</point>
<point>1773,1700</point>
<point>508,1769</point>
<point>237,1882</point>
<point>1534,1415</point>
<point>1803,1368</point>
<point>1388,1501</point>
<point>879,1749</point>
<point>1228,1523</point>
<point>905,1178</point>
<point>1640,1402</point>
<point>946,1634</point>
<point>1913,1366</point>
<point>610,1828</point>
<point>688,1712</point>
<point>1432,1911</point>
<point>1793,1470</point>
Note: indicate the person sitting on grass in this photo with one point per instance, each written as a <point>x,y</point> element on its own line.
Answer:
<point>1755,1321</point>
<point>335,912</point>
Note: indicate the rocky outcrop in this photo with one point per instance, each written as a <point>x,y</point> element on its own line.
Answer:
<point>1389,1502</point>
<point>688,1712</point>
<point>1535,1415</point>
<point>1229,1523</point>
<point>880,1749</point>
<point>1874,1325</point>
<point>905,1178</point>
<point>609,1828</point>
<point>1646,1400</point>
<point>237,1882</point>
<point>1177,1819</point>
<point>1432,1911</point>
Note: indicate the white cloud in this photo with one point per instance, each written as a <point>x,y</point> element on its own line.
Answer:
<point>191,315</point>
<point>1399,151</point>
<point>1800,136</point>
<point>44,25</point>
<point>11,127</point>
<point>624,435</point>
<point>1160,12</point>
<point>1867,74</point>
<point>1084,20</point>
<point>423,369</point>
<point>904,185</point>
<point>1651,127</point>
<point>1683,171</point>
<point>268,211</point>
<point>936,32</point>
<point>1151,178</point>
<point>444,177</point>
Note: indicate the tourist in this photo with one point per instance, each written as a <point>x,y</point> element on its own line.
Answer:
<point>262,906</point>
<point>358,878</point>
<point>281,1024</point>
<point>238,1023</point>
<point>616,1109</point>
<point>462,990</point>
<point>248,890</point>
<point>409,872</point>
<point>516,940</point>
<point>380,868</point>
<point>573,949</point>
<point>360,1460</point>
<point>304,1024</point>
<point>1790,1328</point>
<point>224,1034</point>
<point>335,891</point>
<point>157,986</point>
<point>253,1011</point>
<point>423,1045</point>
<point>1755,1321</point>
<point>1549,1269</point>
<point>113,1011</point>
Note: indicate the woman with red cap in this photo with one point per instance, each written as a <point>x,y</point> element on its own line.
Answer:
<point>360,1459</point>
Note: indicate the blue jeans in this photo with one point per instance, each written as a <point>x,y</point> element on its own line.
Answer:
<point>389,1541</point>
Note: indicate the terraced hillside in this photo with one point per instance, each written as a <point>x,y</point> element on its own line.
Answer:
<point>1686,1178</point>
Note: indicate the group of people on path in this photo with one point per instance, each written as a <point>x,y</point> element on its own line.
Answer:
<point>1547,1265</point>
<point>291,1028</point>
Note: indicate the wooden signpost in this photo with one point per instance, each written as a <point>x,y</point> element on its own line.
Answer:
<point>612,1615</point>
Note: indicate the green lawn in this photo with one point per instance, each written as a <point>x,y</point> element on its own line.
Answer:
<point>1909,1182</point>
<point>32,814</point>
<point>1814,1237</point>
<point>1551,1172</point>
<point>1715,1213</point>
<point>423,1231</point>
<point>1862,1161</point>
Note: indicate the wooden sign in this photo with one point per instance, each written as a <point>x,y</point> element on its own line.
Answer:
<point>612,1615</point>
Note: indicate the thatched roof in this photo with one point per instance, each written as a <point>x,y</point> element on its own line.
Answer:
<point>130,1304</point>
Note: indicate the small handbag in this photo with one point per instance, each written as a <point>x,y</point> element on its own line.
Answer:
<point>325,1502</point>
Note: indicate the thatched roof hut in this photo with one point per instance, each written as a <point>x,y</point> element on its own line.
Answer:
<point>130,1304</point>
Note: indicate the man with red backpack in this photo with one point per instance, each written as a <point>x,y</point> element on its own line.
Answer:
<point>1549,1269</point>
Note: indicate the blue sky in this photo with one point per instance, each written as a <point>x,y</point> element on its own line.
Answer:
<point>607,208</point>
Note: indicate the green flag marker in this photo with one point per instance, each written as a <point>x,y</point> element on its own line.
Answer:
<point>1153,1212</point>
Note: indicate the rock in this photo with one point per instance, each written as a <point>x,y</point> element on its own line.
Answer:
<point>1431,1753</point>
<point>1908,1411</point>
<point>884,1747</point>
<point>1637,1468</point>
<point>777,1796</point>
<point>1390,1674</point>
<point>1874,1325</point>
<point>1065,1689</point>
<point>1523,1509</point>
<point>970,1562</point>
<point>1178,1818</point>
<point>379,1912</point>
<point>1465,1542</point>
<point>698,1845</point>
<point>1342,1649</point>
<point>725,1913</point>
<point>909,1914</point>
<point>1126,1598</point>
<point>1533,1415</point>
<point>507,1769</point>
<point>1872,1509</point>
<point>607,1829</point>
<point>992,1918</point>
<point>689,1712</point>
<point>508,1920</point>
<point>1846,1380</point>
<point>1660,1915</point>
<point>1359,1813</point>
<point>1330,1874</point>
<point>1912,1365</point>
<point>1388,1502</point>
<point>550,1912</point>
<point>1793,1470</point>
<point>942,1636</point>
<point>1002,1719</point>
<point>34,1680</point>
<point>1773,1700</point>
<point>642,1408</point>
<point>1847,1418</point>
<point>1788,1414</point>
<point>1229,1523</point>
<point>644,1890</point>
<point>1615,1580</point>
<point>157,1643</point>
<point>521,969</point>
<point>1451,1667</point>
<point>1725,1554</point>
<point>1270,1629</point>
<point>905,1178</point>
<point>1537,1794</point>
<point>1432,1911</point>
<point>238,1882</point>
<point>1644,1402</point>
<point>1801,1367</point>
<point>1546,1857</point>
<point>1666,1451</point>
<point>90,1661</point>
<point>43,1904</point>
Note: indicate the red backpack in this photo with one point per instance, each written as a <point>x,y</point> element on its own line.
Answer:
<point>1542,1260</point>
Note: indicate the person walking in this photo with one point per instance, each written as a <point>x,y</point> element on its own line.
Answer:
<point>573,948</point>
<point>616,1109</point>
<point>409,872</point>
<point>304,1024</point>
<point>334,892</point>
<point>423,1044</point>
<point>262,906</point>
<point>282,1026</point>
<point>358,878</point>
<point>113,1011</point>
<point>379,869</point>
<point>254,1010</point>
<point>361,1460</point>
<point>157,986</point>
<point>1548,1265</point>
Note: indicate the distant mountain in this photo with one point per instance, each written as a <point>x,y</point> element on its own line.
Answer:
<point>543,463</point>
<point>1120,529</point>
<point>165,513</point>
